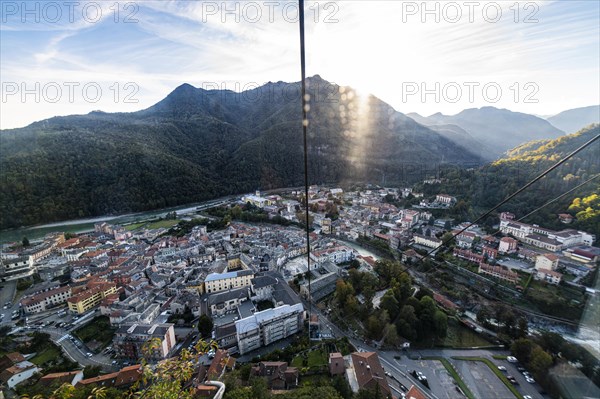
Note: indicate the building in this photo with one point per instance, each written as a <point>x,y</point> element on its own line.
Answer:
<point>45,300</point>
<point>431,242</point>
<point>546,261</point>
<point>219,364</point>
<point>465,239</point>
<point>445,199</point>
<point>226,301</point>
<point>278,374</point>
<point>499,272</point>
<point>337,255</point>
<point>468,255</point>
<point>216,282</point>
<point>268,326</point>
<point>16,369</point>
<point>365,372</point>
<point>125,377</point>
<point>549,276</point>
<point>336,364</point>
<point>130,339</point>
<point>507,245</point>
<point>415,393</point>
<point>91,297</point>
<point>262,288</point>
<point>69,377</point>
<point>583,254</point>
<point>565,218</point>
<point>544,242</point>
<point>257,200</point>
<point>15,268</point>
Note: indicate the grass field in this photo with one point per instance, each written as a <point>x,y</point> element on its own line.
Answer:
<point>49,354</point>
<point>98,330</point>
<point>157,224</point>
<point>459,336</point>
<point>315,358</point>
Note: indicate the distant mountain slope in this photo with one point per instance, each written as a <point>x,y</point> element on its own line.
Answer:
<point>574,119</point>
<point>197,144</point>
<point>498,129</point>
<point>457,135</point>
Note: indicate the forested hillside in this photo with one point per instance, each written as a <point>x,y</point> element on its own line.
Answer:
<point>483,188</point>
<point>198,144</point>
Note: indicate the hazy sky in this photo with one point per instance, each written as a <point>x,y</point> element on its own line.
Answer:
<point>68,57</point>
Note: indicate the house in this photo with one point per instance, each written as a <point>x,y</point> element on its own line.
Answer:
<point>365,372</point>
<point>18,373</point>
<point>507,245</point>
<point>219,364</point>
<point>565,218</point>
<point>549,276</point>
<point>415,393</point>
<point>336,364</point>
<point>69,377</point>
<point>278,374</point>
<point>125,377</point>
<point>468,255</point>
<point>546,261</point>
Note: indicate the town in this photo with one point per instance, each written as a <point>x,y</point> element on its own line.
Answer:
<point>82,308</point>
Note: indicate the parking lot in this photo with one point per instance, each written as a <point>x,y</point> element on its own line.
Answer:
<point>482,382</point>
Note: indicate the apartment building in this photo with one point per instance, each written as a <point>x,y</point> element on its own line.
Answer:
<point>91,297</point>
<point>268,326</point>
<point>130,339</point>
<point>45,300</point>
<point>216,282</point>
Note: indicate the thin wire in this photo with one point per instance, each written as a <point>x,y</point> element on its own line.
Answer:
<point>510,197</point>
<point>304,134</point>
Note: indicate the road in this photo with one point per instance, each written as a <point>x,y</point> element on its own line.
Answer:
<point>76,350</point>
<point>7,294</point>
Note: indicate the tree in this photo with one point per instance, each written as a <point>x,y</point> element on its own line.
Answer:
<point>25,242</point>
<point>205,326</point>
<point>522,349</point>
<point>540,361</point>
<point>259,388</point>
<point>389,302</point>
<point>440,323</point>
<point>341,385</point>
<point>91,371</point>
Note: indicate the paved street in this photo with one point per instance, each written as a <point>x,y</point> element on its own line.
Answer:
<point>61,338</point>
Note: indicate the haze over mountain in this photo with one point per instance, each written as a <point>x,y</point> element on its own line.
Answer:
<point>197,144</point>
<point>572,120</point>
<point>498,130</point>
<point>457,135</point>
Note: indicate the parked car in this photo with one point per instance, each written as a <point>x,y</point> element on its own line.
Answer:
<point>511,359</point>
<point>501,368</point>
<point>530,380</point>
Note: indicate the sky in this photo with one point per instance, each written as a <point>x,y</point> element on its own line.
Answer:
<point>74,57</point>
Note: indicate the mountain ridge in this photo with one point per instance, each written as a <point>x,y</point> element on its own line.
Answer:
<point>196,144</point>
